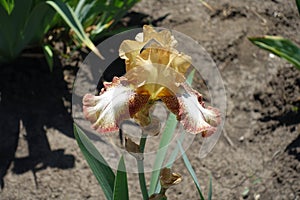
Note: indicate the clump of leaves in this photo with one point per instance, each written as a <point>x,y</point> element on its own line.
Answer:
<point>25,23</point>
<point>22,23</point>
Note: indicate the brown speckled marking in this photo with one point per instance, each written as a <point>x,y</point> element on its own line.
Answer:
<point>172,104</point>
<point>136,103</point>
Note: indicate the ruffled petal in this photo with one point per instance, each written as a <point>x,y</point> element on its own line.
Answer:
<point>161,42</point>
<point>180,62</point>
<point>107,110</point>
<point>129,50</point>
<point>164,37</point>
<point>155,79</point>
<point>194,116</point>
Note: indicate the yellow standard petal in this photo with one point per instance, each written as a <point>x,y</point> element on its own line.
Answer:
<point>156,46</point>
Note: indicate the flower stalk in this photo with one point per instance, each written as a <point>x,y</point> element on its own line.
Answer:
<point>140,164</point>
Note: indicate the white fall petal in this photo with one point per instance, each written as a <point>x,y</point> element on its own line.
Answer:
<point>194,116</point>
<point>107,110</point>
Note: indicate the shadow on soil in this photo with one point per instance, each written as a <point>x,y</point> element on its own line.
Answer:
<point>31,100</point>
<point>292,148</point>
<point>137,19</point>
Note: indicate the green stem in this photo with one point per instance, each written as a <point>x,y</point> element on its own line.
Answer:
<point>143,142</point>
<point>140,164</point>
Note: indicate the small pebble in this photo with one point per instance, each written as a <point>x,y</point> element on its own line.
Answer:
<point>271,55</point>
<point>241,139</point>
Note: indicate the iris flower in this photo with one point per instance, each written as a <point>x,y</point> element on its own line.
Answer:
<point>155,71</point>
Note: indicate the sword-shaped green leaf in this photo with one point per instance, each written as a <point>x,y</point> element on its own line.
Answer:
<point>66,12</point>
<point>191,170</point>
<point>103,173</point>
<point>121,185</point>
<point>298,5</point>
<point>279,46</point>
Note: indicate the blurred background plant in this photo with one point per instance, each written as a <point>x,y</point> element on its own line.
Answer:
<point>22,23</point>
<point>27,23</point>
<point>280,46</point>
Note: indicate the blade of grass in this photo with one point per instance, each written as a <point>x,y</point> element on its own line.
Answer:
<point>103,173</point>
<point>210,188</point>
<point>191,170</point>
<point>279,46</point>
<point>66,12</point>
<point>79,7</point>
<point>49,56</point>
<point>121,184</point>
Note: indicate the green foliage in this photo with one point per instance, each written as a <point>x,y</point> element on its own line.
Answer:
<point>8,5</point>
<point>100,168</point>
<point>49,56</point>
<point>191,171</point>
<point>298,5</point>
<point>65,11</point>
<point>140,165</point>
<point>96,16</point>
<point>245,193</point>
<point>161,153</point>
<point>25,24</point>
<point>121,185</point>
<point>279,46</point>
<point>210,188</point>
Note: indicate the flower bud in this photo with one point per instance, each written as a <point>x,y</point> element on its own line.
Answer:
<point>168,178</point>
<point>133,149</point>
<point>158,197</point>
